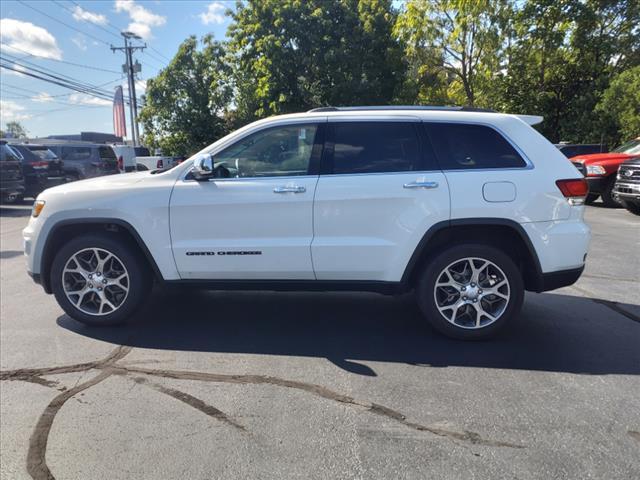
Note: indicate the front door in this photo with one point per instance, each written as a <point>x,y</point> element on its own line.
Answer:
<point>255,222</point>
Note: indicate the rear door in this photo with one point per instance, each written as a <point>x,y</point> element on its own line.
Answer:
<point>379,192</point>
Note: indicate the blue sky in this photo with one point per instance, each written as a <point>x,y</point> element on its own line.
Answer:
<point>48,34</point>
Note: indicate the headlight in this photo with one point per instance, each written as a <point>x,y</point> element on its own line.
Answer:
<point>37,208</point>
<point>595,170</point>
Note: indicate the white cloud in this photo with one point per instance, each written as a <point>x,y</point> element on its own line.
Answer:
<point>84,99</point>
<point>29,37</point>
<point>11,111</point>
<point>80,42</point>
<point>82,15</point>
<point>141,19</point>
<point>214,14</point>
<point>42,97</point>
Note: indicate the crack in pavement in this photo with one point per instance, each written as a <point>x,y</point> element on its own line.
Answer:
<point>192,401</point>
<point>36,455</point>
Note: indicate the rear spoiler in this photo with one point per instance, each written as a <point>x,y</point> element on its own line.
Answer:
<point>530,119</point>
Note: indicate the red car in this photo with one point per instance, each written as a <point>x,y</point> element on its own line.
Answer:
<point>601,169</point>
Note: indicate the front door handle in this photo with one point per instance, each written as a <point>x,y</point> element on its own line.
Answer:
<point>421,185</point>
<point>289,189</point>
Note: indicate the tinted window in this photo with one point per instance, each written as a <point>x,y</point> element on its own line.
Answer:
<point>107,153</point>
<point>374,147</point>
<point>278,151</point>
<point>76,153</point>
<point>7,154</point>
<point>460,146</point>
<point>44,153</point>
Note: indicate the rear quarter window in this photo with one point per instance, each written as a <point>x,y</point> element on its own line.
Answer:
<point>107,153</point>
<point>460,146</point>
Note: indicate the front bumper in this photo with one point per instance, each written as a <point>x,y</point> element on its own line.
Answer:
<point>627,191</point>
<point>562,278</point>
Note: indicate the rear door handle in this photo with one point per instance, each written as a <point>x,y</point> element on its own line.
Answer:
<point>289,189</point>
<point>421,185</point>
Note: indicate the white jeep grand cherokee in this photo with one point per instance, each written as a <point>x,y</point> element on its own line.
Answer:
<point>467,208</point>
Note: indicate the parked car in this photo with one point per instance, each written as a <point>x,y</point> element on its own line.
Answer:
<point>56,173</point>
<point>11,178</point>
<point>127,154</point>
<point>40,168</point>
<point>467,208</point>
<point>572,149</point>
<point>601,169</point>
<point>627,186</point>
<point>85,160</point>
<point>154,162</point>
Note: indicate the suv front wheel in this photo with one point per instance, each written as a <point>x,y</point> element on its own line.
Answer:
<point>470,291</point>
<point>99,279</point>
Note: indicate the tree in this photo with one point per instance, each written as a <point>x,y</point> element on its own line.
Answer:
<point>292,55</point>
<point>15,129</point>
<point>186,104</point>
<point>453,44</point>
<point>620,105</point>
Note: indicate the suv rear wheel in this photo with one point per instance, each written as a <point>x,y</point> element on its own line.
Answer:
<point>470,291</point>
<point>99,279</point>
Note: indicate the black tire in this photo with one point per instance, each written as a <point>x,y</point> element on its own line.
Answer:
<point>591,197</point>
<point>140,280</point>
<point>632,207</point>
<point>434,268</point>
<point>607,194</point>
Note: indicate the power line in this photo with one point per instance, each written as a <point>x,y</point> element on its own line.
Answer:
<point>59,61</point>
<point>68,81</point>
<point>63,23</point>
<point>5,85</point>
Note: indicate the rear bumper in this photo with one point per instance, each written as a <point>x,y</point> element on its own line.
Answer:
<point>562,278</point>
<point>597,184</point>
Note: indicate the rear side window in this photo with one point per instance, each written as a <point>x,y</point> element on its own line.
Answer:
<point>107,153</point>
<point>76,153</point>
<point>7,154</point>
<point>374,147</point>
<point>461,146</point>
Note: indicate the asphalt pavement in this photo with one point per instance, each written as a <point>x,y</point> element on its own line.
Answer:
<point>220,385</point>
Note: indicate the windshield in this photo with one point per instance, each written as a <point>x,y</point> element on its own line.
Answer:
<point>44,153</point>
<point>632,147</point>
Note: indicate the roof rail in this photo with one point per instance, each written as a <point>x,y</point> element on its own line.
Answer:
<point>400,107</point>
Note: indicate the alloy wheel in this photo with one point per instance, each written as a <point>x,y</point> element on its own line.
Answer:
<point>472,293</point>
<point>95,281</point>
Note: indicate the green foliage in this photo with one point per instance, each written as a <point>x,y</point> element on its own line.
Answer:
<point>15,130</point>
<point>573,61</point>
<point>292,55</point>
<point>620,105</point>
<point>185,104</point>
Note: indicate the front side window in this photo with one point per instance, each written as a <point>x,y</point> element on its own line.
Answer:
<point>274,152</point>
<point>374,147</point>
<point>460,146</point>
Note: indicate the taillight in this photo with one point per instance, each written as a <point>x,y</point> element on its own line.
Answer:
<point>39,165</point>
<point>575,190</point>
<point>159,164</point>
<point>120,163</point>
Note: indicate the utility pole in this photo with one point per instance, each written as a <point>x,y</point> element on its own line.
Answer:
<point>131,69</point>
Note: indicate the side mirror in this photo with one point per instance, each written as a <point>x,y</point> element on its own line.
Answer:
<point>203,167</point>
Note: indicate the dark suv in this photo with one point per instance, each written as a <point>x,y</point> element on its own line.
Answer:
<point>85,160</point>
<point>11,179</point>
<point>40,167</point>
<point>627,186</point>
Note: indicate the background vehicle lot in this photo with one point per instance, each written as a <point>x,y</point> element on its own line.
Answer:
<point>223,385</point>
